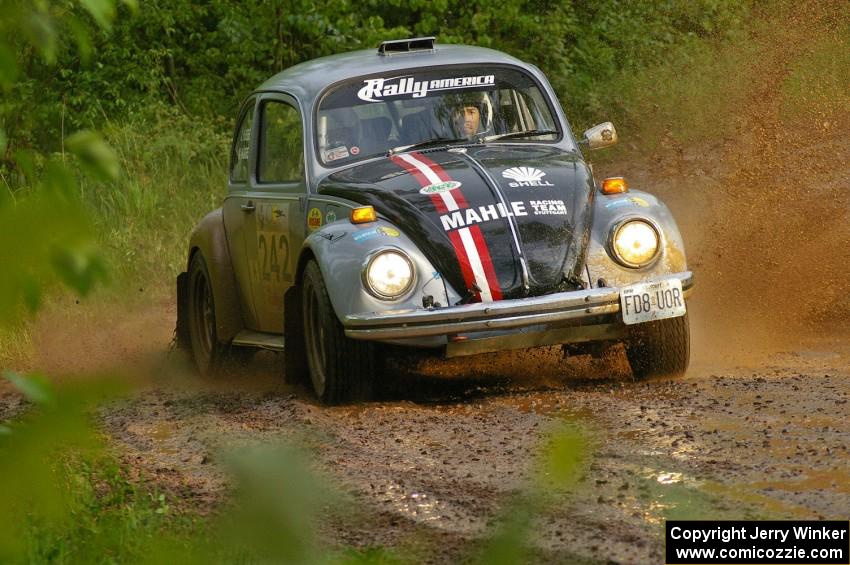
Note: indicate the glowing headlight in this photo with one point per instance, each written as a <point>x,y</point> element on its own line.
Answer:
<point>635,243</point>
<point>388,274</point>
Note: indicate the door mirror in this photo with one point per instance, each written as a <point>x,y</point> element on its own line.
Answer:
<point>600,135</point>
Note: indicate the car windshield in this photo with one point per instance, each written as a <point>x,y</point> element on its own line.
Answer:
<point>368,117</point>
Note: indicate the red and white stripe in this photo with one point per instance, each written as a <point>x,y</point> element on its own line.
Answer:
<point>468,242</point>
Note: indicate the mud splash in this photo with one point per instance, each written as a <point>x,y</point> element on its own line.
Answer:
<point>766,213</point>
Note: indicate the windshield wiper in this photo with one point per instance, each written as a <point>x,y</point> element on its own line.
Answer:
<point>429,143</point>
<point>529,133</point>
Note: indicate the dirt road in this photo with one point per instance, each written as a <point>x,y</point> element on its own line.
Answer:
<point>430,465</point>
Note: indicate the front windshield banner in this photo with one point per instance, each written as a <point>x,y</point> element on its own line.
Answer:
<point>400,86</point>
<point>366,117</point>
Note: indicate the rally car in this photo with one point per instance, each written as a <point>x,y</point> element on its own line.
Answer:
<point>432,197</point>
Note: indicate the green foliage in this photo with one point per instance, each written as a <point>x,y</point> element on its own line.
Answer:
<point>37,492</point>
<point>204,57</point>
<point>173,173</point>
<point>45,233</point>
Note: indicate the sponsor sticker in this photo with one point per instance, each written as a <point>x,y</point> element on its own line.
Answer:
<point>314,219</point>
<point>366,235</point>
<point>548,207</point>
<point>525,176</point>
<point>355,150</point>
<point>439,187</point>
<point>273,216</point>
<point>469,216</point>
<point>374,89</point>
<point>340,152</point>
<point>330,217</point>
<point>631,201</point>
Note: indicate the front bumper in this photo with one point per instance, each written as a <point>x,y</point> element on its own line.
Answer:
<point>506,314</point>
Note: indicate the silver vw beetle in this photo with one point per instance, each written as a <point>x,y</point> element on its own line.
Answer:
<point>431,197</point>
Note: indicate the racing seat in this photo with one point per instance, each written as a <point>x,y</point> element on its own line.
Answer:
<point>375,134</point>
<point>417,127</point>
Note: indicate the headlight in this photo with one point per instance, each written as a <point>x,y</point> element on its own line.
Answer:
<point>635,243</point>
<point>388,274</point>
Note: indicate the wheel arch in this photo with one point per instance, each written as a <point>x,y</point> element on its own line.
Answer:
<point>209,238</point>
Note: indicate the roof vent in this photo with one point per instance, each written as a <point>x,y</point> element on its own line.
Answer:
<point>406,45</point>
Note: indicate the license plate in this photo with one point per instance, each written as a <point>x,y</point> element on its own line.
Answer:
<point>645,302</point>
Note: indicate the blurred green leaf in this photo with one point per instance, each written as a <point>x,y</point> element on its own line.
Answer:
<point>25,161</point>
<point>5,430</point>
<point>369,556</point>
<point>32,295</point>
<point>82,37</point>
<point>565,457</point>
<point>508,546</point>
<point>36,388</point>
<point>57,180</point>
<point>32,231</point>
<point>95,154</point>
<point>38,493</point>
<point>103,11</point>
<point>279,497</point>
<point>78,267</point>
<point>8,67</point>
<point>41,33</point>
<point>3,142</point>
<point>558,467</point>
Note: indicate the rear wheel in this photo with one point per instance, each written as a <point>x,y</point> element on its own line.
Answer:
<point>659,349</point>
<point>208,353</point>
<point>341,369</point>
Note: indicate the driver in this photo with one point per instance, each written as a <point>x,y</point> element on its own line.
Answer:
<point>467,120</point>
<point>469,115</point>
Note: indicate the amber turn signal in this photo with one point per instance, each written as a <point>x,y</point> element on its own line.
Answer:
<point>363,215</point>
<point>614,185</point>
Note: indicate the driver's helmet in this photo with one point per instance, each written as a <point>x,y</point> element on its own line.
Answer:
<point>471,113</point>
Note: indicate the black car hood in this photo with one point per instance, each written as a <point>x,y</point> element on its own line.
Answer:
<point>465,229</point>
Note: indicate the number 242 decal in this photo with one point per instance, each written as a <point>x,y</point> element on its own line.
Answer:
<point>274,257</point>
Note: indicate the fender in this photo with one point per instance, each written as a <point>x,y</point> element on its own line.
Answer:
<point>341,251</point>
<point>610,210</point>
<point>210,239</point>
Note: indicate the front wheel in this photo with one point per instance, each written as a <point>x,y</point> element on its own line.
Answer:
<point>341,369</point>
<point>659,349</point>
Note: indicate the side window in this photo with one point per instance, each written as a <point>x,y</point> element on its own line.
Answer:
<point>241,148</point>
<point>281,157</point>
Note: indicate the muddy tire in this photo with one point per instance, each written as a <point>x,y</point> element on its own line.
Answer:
<point>659,349</point>
<point>208,353</point>
<point>341,369</point>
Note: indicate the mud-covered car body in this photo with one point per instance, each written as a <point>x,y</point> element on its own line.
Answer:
<point>509,238</point>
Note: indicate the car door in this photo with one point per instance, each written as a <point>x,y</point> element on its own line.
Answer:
<point>238,208</point>
<point>279,190</point>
